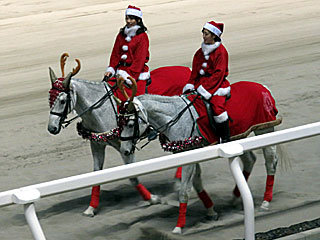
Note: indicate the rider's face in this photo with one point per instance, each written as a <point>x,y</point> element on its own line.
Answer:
<point>208,37</point>
<point>130,21</point>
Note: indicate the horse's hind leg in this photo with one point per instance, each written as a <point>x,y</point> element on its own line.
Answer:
<point>98,153</point>
<point>271,161</point>
<point>203,195</point>
<point>143,191</point>
<point>248,160</point>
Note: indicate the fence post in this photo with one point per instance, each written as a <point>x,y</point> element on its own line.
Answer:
<point>27,199</point>
<point>232,151</point>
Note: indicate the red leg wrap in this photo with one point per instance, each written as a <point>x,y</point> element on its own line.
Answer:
<point>95,194</point>
<point>236,191</point>
<point>207,202</point>
<point>182,215</point>
<point>269,188</point>
<point>145,194</point>
<point>178,173</point>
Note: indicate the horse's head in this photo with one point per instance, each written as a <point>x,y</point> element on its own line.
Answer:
<point>59,96</point>
<point>133,119</point>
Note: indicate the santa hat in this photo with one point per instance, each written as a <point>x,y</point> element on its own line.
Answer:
<point>215,28</point>
<point>134,11</point>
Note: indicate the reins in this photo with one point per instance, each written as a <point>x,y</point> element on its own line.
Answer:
<point>102,100</point>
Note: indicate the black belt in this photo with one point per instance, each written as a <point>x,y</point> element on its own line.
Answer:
<point>124,64</point>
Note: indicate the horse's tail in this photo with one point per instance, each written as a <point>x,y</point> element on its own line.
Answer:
<point>285,158</point>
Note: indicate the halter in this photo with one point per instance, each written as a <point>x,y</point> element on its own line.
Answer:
<point>150,132</point>
<point>63,115</point>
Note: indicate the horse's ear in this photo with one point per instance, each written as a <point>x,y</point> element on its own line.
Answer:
<point>66,81</point>
<point>52,75</point>
<point>118,101</point>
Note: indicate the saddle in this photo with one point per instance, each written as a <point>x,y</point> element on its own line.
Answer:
<point>210,113</point>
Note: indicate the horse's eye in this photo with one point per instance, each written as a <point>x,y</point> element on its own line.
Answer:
<point>63,101</point>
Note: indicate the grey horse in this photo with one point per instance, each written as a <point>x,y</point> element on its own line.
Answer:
<point>160,112</point>
<point>67,94</point>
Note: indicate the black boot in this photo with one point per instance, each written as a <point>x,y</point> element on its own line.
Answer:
<point>223,131</point>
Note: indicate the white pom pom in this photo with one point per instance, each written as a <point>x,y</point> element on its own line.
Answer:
<point>124,57</point>
<point>125,48</point>
<point>202,72</point>
<point>128,39</point>
<point>206,57</point>
<point>204,65</point>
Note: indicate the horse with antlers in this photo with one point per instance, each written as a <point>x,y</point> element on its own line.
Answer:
<point>251,107</point>
<point>93,102</point>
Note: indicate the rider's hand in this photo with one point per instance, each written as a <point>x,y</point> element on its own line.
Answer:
<point>188,88</point>
<point>106,76</point>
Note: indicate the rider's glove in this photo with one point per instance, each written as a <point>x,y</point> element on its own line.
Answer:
<point>204,93</point>
<point>188,88</point>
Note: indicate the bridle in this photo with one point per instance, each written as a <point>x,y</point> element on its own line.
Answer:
<point>60,85</point>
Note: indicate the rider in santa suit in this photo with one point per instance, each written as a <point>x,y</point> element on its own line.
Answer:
<point>208,77</point>
<point>130,52</point>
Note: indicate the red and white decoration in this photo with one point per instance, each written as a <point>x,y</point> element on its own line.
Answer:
<point>215,28</point>
<point>134,11</point>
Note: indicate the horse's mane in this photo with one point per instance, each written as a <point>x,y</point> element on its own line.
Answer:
<point>159,98</point>
<point>87,81</point>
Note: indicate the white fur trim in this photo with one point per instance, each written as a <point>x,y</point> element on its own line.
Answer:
<point>111,69</point>
<point>128,39</point>
<point>204,65</point>
<point>124,57</point>
<point>134,12</point>
<point>202,72</point>
<point>212,29</point>
<point>128,81</point>
<point>123,74</point>
<point>125,48</point>
<point>206,57</point>
<point>144,76</point>
<point>204,93</point>
<point>209,48</point>
<point>221,118</point>
<point>187,87</point>
<point>223,91</point>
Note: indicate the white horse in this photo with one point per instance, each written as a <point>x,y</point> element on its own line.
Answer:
<point>175,117</point>
<point>95,105</point>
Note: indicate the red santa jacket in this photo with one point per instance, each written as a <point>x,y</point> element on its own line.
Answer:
<point>209,71</point>
<point>130,54</point>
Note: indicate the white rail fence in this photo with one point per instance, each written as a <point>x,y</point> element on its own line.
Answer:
<point>28,195</point>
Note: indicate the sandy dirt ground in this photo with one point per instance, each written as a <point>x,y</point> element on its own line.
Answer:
<point>273,42</point>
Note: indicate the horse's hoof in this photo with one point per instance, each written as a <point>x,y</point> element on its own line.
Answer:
<point>155,199</point>
<point>90,212</point>
<point>177,230</point>
<point>212,215</point>
<point>265,206</point>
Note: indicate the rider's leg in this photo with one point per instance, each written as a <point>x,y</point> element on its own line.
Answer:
<point>221,118</point>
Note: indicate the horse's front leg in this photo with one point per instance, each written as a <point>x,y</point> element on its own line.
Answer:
<point>98,154</point>
<point>187,176</point>
<point>203,195</point>
<point>143,191</point>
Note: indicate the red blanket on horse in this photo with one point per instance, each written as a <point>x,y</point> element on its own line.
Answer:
<point>166,81</point>
<point>250,106</point>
